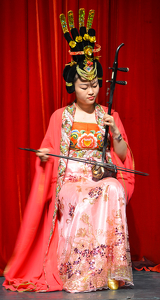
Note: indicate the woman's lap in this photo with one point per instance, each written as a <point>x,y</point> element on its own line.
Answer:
<point>93,232</point>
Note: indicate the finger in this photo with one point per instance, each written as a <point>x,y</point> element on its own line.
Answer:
<point>42,151</point>
<point>39,153</point>
<point>108,118</point>
<point>108,122</point>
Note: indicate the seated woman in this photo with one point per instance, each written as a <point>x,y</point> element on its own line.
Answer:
<point>74,234</point>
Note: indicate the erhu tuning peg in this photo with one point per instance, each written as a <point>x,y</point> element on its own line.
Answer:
<point>123,69</point>
<point>122,82</point>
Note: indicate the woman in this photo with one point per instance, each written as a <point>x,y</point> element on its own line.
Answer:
<point>74,234</point>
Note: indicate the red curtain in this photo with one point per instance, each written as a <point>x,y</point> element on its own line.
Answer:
<point>33,54</point>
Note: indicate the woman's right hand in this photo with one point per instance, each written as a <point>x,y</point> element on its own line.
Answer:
<point>42,154</point>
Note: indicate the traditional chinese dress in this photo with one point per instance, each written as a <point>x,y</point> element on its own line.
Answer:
<point>93,235</point>
<point>77,251</point>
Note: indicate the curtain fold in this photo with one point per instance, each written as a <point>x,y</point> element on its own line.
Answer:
<point>33,54</point>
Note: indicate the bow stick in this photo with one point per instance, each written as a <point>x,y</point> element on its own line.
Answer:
<point>112,87</point>
<point>110,167</point>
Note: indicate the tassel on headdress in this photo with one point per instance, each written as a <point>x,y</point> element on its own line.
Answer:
<point>82,49</point>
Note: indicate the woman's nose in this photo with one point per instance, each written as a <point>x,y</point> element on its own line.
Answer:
<point>90,90</point>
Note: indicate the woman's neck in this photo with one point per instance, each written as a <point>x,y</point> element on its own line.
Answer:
<point>89,109</point>
<point>85,114</point>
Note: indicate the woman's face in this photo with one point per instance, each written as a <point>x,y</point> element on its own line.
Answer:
<point>86,91</point>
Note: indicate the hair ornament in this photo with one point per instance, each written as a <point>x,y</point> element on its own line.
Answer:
<point>92,39</point>
<point>72,63</point>
<point>63,23</point>
<point>82,52</point>
<point>86,37</point>
<point>89,76</point>
<point>90,19</point>
<point>71,19</point>
<point>82,48</point>
<point>72,44</point>
<point>88,51</point>
<point>69,83</point>
<point>78,39</point>
<point>81,17</point>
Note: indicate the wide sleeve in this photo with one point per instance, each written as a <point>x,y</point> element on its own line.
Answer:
<point>25,270</point>
<point>127,179</point>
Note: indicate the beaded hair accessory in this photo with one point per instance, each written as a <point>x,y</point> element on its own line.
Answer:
<point>82,48</point>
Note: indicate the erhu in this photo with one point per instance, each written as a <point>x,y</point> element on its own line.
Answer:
<point>97,171</point>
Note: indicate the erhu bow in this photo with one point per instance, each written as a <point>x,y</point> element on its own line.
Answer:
<point>108,166</point>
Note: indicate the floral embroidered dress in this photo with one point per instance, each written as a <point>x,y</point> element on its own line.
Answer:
<point>92,238</point>
<point>93,235</point>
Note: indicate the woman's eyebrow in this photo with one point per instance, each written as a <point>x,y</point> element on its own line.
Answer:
<point>95,81</point>
<point>85,83</point>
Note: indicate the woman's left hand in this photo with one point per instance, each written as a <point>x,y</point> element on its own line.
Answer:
<point>109,120</point>
<point>120,147</point>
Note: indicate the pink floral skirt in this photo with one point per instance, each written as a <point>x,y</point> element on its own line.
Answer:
<point>93,235</point>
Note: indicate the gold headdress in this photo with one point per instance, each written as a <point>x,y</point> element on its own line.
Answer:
<point>82,49</point>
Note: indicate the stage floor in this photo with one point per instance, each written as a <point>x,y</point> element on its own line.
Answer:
<point>146,286</point>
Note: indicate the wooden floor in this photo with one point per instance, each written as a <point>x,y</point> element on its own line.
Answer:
<point>146,286</point>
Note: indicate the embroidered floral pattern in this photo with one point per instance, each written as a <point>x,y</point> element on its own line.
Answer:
<point>90,262</point>
<point>74,178</point>
<point>67,121</point>
<point>95,192</point>
<point>106,196</point>
<point>71,212</point>
<point>87,138</point>
<point>87,141</point>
